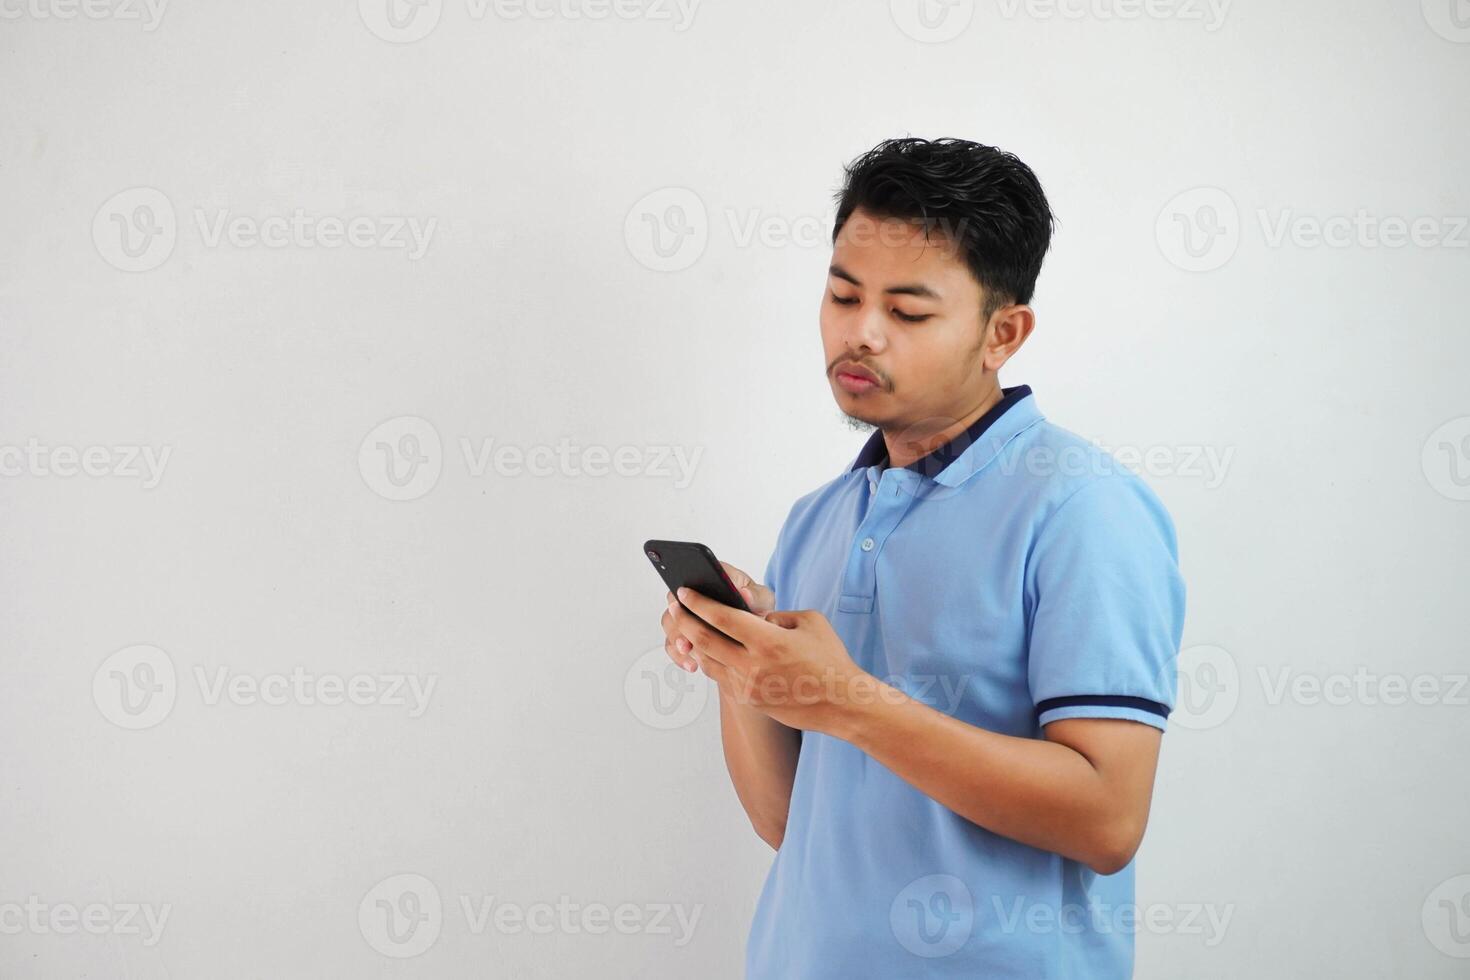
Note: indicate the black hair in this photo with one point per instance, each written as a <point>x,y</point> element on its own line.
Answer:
<point>985,201</point>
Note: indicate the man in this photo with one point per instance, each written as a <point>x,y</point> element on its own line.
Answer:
<point>951,741</point>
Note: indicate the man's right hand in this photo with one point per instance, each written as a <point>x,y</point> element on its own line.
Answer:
<point>760,599</point>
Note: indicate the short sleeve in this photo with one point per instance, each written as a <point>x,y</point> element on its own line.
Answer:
<point>1105,606</point>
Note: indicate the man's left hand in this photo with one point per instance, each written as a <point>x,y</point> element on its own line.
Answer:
<point>791,665</point>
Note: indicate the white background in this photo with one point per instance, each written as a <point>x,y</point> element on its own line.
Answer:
<point>1332,544</point>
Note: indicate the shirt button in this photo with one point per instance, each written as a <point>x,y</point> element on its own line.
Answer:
<point>867,544</point>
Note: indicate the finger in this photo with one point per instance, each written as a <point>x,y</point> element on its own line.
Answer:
<point>738,624</point>
<point>675,643</point>
<point>667,623</point>
<point>680,654</point>
<point>737,576</point>
<point>788,619</point>
<point>713,669</point>
<point>702,639</point>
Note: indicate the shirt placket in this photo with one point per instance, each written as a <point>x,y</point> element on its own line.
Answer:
<point>891,492</point>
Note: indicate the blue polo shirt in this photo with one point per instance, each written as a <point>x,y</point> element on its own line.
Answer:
<point>1015,576</point>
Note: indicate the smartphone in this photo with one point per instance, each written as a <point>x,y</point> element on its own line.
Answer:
<point>690,564</point>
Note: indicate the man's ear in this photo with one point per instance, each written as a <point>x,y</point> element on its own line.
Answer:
<point>1009,327</point>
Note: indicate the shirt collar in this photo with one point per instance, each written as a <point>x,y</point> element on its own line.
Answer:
<point>969,451</point>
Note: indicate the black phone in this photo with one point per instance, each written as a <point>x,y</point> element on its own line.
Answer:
<point>689,564</point>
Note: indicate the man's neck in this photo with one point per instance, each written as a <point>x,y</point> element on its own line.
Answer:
<point>909,443</point>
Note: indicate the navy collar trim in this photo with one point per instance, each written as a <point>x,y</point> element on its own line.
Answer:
<point>875,450</point>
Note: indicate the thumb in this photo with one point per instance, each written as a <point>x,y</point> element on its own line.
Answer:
<point>756,596</point>
<point>759,598</point>
<point>785,618</point>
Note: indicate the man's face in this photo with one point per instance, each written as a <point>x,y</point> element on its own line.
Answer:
<point>907,308</point>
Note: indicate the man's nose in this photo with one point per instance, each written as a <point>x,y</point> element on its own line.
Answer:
<point>866,330</point>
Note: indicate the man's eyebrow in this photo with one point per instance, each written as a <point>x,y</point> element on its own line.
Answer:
<point>904,289</point>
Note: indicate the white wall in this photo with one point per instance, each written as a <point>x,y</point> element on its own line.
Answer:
<point>1330,539</point>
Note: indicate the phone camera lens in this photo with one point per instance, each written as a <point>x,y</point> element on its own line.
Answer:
<point>654,556</point>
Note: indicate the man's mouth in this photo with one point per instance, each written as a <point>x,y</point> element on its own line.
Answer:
<point>856,379</point>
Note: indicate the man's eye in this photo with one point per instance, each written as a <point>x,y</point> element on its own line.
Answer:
<point>906,318</point>
<point>843,300</point>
